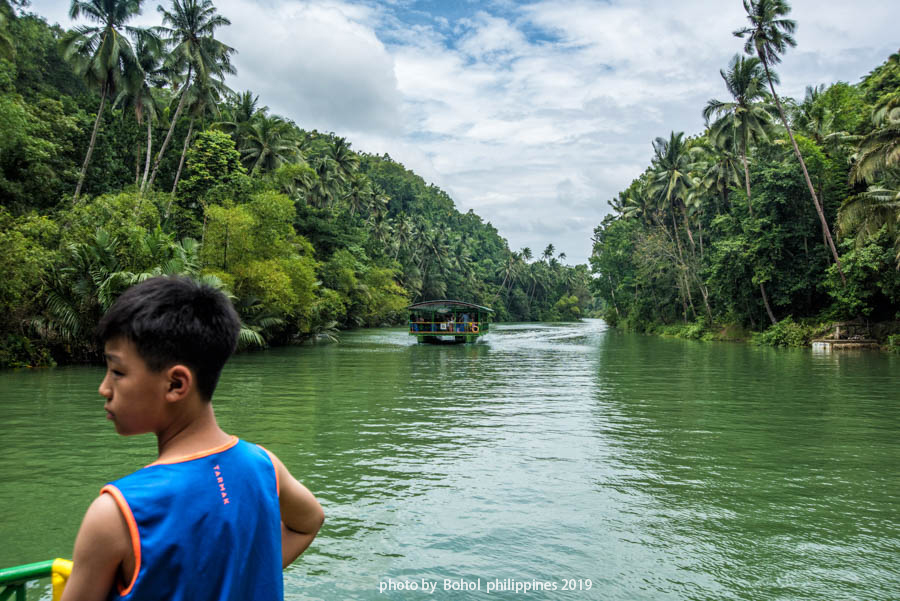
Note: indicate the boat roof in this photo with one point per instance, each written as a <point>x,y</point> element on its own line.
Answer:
<point>446,304</point>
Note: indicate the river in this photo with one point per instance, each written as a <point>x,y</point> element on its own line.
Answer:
<point>554,455</point>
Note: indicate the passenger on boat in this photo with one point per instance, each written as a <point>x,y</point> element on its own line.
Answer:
<point>214,518</point>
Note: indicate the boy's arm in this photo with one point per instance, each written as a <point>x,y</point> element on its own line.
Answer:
<point>301,515</point>
<point>100,547</point>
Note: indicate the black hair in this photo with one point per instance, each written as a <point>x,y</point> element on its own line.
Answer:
<point>175,320</point>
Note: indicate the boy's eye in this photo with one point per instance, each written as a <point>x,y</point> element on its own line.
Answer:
<point>116,372</point>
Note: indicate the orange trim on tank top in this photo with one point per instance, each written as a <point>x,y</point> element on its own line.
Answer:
<point>198,454</point>
<point>132,531</point>
<point>275,467</point>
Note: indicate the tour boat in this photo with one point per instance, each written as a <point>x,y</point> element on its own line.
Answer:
<point>448,321</point>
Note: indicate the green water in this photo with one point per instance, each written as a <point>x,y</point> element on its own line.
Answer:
<point>655,468</point>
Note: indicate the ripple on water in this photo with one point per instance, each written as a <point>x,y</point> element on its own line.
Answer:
<point>659,469</point>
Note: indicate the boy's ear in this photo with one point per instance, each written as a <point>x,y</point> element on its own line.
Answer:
<point>180,382</point>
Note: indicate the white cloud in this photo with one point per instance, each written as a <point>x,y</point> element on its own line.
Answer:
<point>315,63</point>
<point>533,115</point>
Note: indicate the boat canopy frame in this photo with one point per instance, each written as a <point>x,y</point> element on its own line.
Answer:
<point>436,305</point>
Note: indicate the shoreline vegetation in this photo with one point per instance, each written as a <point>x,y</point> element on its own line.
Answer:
<point>121,161</point>
<point>124,155</point>
<point>777,221</point>
<point>885,336</point>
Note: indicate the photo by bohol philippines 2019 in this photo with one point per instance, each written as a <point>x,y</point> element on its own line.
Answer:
<point>372,300</point>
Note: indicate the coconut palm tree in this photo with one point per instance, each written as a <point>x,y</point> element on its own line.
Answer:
<point>190,29</point>
<point>270,143</point>
<point>238,115</point>
<point>768,36</point>
<point>204,98</point>
<point>7,48</point>
<point>747,118</point>
<point>138,89</point>
<point>101,54</point>
<point>548,252</point>
<point>879,151</point>
<point>671,177</point>
<point>718,169</point>
<point>345,160</point>
<point>359,195</point>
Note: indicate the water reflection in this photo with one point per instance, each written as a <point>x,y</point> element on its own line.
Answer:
<point>752,469</point>
<point>659,469</point>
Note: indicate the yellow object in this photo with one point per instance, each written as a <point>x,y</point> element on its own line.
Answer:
<point>61,570</point>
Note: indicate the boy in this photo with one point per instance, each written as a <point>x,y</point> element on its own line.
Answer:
<point>214,517</point>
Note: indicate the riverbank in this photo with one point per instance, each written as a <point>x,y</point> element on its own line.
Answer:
<point>786,333</point>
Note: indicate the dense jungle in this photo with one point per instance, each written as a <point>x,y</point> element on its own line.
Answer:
<point>775,222</point>
<point>124,155</point>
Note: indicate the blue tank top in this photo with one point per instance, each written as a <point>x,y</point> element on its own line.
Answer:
<point>203,528</point>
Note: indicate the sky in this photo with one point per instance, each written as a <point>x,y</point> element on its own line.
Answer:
<point>533,114</point>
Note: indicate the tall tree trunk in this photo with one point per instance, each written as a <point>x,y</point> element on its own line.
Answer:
<point>677,238</point>
<point>187,141</point>
<point>687,288</point>
<point>146,168</point>
<point>747,180</point>
<point>137,165</point>
<point>765,298</point>
<point>87,157</point>
<point>612,290</point>
<point>704,292</point>
<point>687,228</point>
<point>149,153</point>
<point>700,229</point>
<point>165,144</point>
<point>812,192</point>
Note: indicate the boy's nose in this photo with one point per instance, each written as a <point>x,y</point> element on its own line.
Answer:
<point>104,389</point>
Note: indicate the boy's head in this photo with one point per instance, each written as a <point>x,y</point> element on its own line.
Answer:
<point>175,320</point>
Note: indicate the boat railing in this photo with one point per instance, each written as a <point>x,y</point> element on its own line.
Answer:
<point>449,327</point>
<point>14,580</point>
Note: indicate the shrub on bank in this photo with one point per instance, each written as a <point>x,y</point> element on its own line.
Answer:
<point>786,332</point>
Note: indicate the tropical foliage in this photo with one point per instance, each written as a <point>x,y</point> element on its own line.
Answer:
<point>717,229</point>
<point>173,173</point>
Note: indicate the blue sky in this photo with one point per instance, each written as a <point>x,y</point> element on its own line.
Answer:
<point>533,114</point>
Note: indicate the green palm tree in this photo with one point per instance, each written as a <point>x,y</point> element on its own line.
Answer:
<point>865,214</point>
<point>7,48</point>
<point>346,161</point>
<point>671,177</point>
<point>359,195</point>
<point>270,143</point>
<point>768,37</point>
<point>404,231</point>
<point>510,271</point>
<point>879,151</point>
<point>526,253</point>
<point>78,294</point>
<point>548,252</point>
<point>296,180</point>
<point>7,14</point>
<point>204,97</point>
<point>327,184</point>
<point>747,118</point>
<point>138,91</point>
<point>190,29</point>
<point>718,169</point>
<point>102,55</point>
<point>238,114</point>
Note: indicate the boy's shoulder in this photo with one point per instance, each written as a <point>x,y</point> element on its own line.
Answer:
<point>237,459</point>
